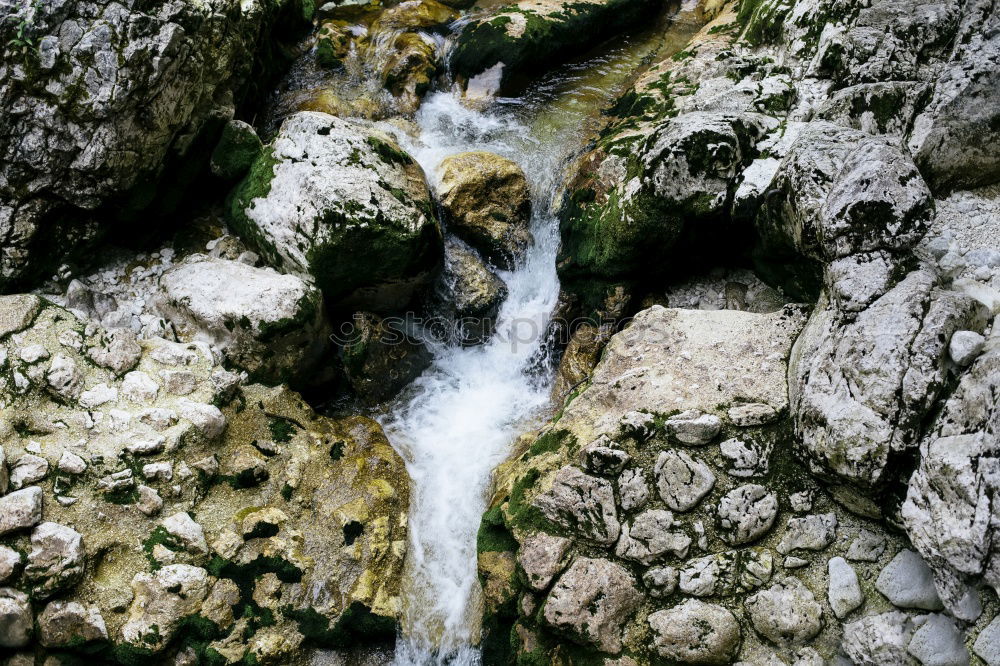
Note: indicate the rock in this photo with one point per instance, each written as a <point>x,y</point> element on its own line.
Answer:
<point>119,95</point>
<point>525,38</point>
<point>70,463</point>
<point>139,388</point>
<point>219,603</point>
<point>801,501</point>
<point>149,501</point>
<point>56,561</point>
<point>692,428</point>
<point>938,642</point>
<point>473,291</point>
<point>162,600</point>
<point>541,558</point>
<point>236,151</point>
<point>681,480</point>
<point>614,225</point>
<point>70,623</point>
<point>209,421</point>
<point>813,532</point>
<point>633,489</point>
<point>695,632</point>
<point>15,618</point>
<point>268,324</point>
<point>746,513</point>
<point>739,354</point>
<point>647,538</point>
<point>64,378</point>
<point>487,203</point>
<point>188,533</point>
<point>590,602</point>
<point>844,591</point>
<point>744,459</point>
<point>660,582</point>
<point>10,562</point>
<point>27,470</point>
<point>116,350</point>
<point>965,346</point>
<point>786,613</point>
<point>356,217</point>
<point>601,457</point>
<point>907,582</point>
<point>987,645</point>
<point>707,576</point>
<point>866,547</point>
<point>20,509</point>
<point>17,312</point>
<point>380,357</point>
<point>878,640</point>
<point>752,414</point>
<point>583,504</point>
<point>852,433</point>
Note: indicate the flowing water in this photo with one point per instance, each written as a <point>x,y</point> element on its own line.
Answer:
<point>457,422</point>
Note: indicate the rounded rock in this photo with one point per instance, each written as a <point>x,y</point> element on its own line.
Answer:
<point>696,632</point>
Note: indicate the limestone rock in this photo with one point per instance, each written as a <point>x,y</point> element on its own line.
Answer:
<point>541,558</point>
<point>878,640</point>
<point>844,591</point>
<point>270,325</point>
<point>56,561</point>
<point>381,357</point>
<point>27,470</point>
<point>786,613</point>
<point>695,632</point>
<point>355,217</point>
<point>64,623</point>
<point>938,640</point>
<point>188,533</point>
<point>681,480</point>
<point>581,503</point>
<point>813,532</point>
<point>487,203</point>
<point>473,291</point>
<point>692,428</point>
<point>161,601</point>
<point>591,601</point>
<point>908,583</point>
<point>15,618</point>
<point>20,509</point>
<point>648,537</point>
<point>746,513</point>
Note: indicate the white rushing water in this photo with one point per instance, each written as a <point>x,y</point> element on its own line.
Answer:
<point>456,423</point>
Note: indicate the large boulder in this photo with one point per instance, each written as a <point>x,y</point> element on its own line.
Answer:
<point>100,100</point>
<point>487,203</point>
<point>530,36</point>
<point>273,326</point>
<point>340,204</point>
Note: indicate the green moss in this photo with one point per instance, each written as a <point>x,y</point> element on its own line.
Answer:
<point>356,625</point>
<point>160,537</point>
<point>389,152</point>
<point>237,150</point>
<point>493,535</point>
<point>282,430</point>
<point>553,440</point>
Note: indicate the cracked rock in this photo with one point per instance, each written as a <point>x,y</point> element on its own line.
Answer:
<point>681,480</point>
<point>648,537</point>
<point>786,613</point>
<point>746,513</point>
<point>582,503</point>
<point>696,632</point>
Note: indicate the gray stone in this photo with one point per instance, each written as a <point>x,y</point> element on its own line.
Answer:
<point>581,503</point>
<point>599,457</point>
<point>938,642</point>
<point>20,509</point>
<point>149,502</point>
<point>681,480</point>
<point>844,591</point>
<point>692,428</point>
<point>633,489</point>
<point>56,561</point>
<point>162,599</point>
<point>746,513</point>
<point>116,350</point>
<point>879,640</point>
<point>28,469</point>
<point>188,533</point>
<point>907,582</point>
<point>541,557</point>
<point>866,547</point>
<point>660,582</point>
<point>743,459</point>
<point>17,312</point>
<point>695,632</point>
<point>987,645</point>
<point>648,537</point>
<point>965,346</point>
<point>66,623</point>
<point>70,463</point>
<point>813,532</point>
<point>591,602</point>
<point>15,618</point>
<point>10,562</point>
<point>786,613</point>
<point>752,414</point>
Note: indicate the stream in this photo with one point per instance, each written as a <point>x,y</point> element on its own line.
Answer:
<point>457,422</point>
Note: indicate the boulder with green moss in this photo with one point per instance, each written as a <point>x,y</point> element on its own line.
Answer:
<point>531,36</point>
<point>202,519</point>
<point>339,203</point>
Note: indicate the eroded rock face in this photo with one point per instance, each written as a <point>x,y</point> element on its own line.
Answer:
<point>339,203</point>
<point>213,497</point>
<point>105,98</point>
<point>583,504</point>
